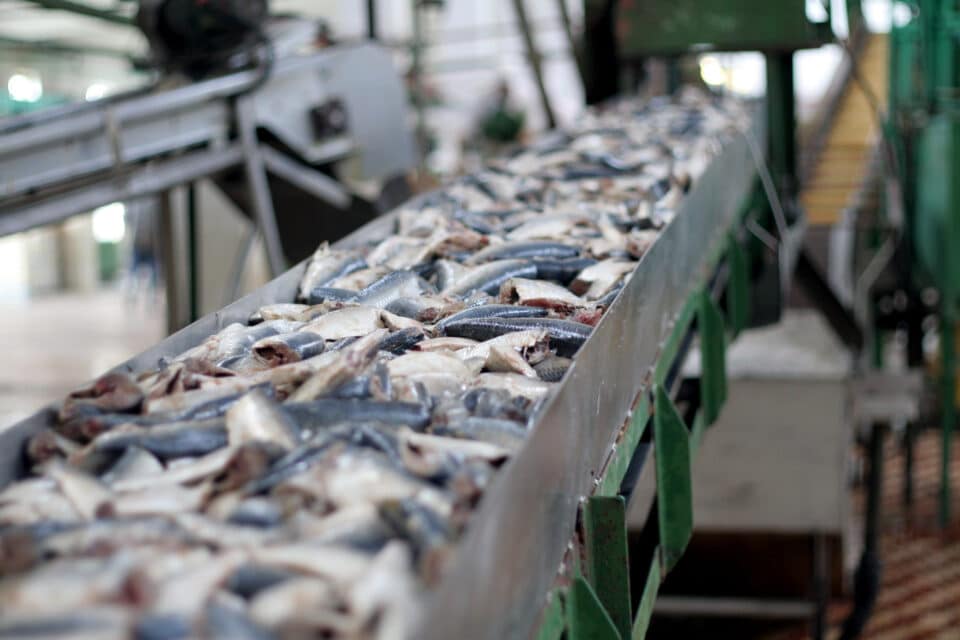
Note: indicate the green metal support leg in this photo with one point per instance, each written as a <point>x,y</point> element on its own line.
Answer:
<point>948,376</point>
<point>674,491</point>
<point>608,566</point>
<point>586,617</point>
<point>713,375</point>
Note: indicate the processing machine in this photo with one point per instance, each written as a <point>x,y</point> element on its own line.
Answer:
<point>239,102</point>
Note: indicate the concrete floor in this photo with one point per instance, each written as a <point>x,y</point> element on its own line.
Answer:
<point>53,343</point>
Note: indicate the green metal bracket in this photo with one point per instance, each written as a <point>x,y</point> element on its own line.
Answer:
<point>713,374</point>
<point>586,617</point>
<point>553,622</point>
<point>605,529</point>
<point>738,286</point>
<point>674,491</point>
<point>645,607</point>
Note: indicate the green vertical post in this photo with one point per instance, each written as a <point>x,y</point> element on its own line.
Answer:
<point>781,122</point>
<point>738,287</point>
<point>671,441</point>
<point>608,566</point>
<point>713,375</point>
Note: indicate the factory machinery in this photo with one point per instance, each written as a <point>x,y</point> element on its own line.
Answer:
<point>546,552</point>
<point>275,129</point>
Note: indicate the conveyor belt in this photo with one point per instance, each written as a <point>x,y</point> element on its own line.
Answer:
<point>842,165</point>
<point>582,440</point>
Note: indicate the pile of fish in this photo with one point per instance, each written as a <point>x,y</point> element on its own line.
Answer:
<point>307,474</point>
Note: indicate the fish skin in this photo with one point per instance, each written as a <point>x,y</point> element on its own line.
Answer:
<point>339,367</point>
<point>224,620</point>
<point>396,284</point>
<point>515,384</point>
<point>135,462</point>
<point>444,344</point>
<point>168,441</point>
<point>288,347</point>
<point>249,579</point>
<point>320,295</point>
<point>280,311</point>
<point>565,336</point>
<point>345,323</point>
<point>561,270</point>
<point>327,265</point>
<point>326,412</point>
<point>553,368</point>
<point>256,417</point>
<point>398,342</point>
<point>497,431</point>
<point>489,276</point>
<point>113,392</point>
<point>88,495</point>
<point>596,280</point>
<point>491,311</point>
<point>538,293</point>
<point>525,249</point>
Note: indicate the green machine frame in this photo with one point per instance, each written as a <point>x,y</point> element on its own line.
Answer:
<point>599,603</point>
<point>922,132</point>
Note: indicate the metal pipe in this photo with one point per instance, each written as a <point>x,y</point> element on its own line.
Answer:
<point>535,62</point>
<point>84,10</point>
<point>867,577</point>
<point>193,257</point>
<point>372,19</point>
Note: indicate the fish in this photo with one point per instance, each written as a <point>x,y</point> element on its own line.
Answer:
<point>135,462</point>
<point>397,342</point>
<point>444,344</point>
<point>489,276</point>
<point>326,412</point>
<point>302,603</point>
<point>565,336</point>
<point>288,347</point>
<point>86,493</point>
<point>447,273</point>
<point>280,311</point>
<point>113,392</point>
<point>48,444</point>
<point>396,284</point>
<point>344,323</point>
<point>256,417</point>
<point>537,293</point>
<point>166,442</point>
<point>227,619</point>
<point>429,534</point>
<point>436,370</point>
<point>338,367</point>
<point>506,434</point>
<point>249,579</point>
<point>596,280</point>
<point>326,266</point>
<point>553,368</point>
<point>546,227</point>
<point>515,384</point>
<point>491,311</point>
<point>524,249</point>
<point>561,270</point>
<point>319,295</point>
<point>526,340</point>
